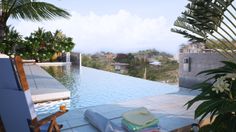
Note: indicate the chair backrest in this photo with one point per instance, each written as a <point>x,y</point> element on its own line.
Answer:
<point>15,98</point>
<point>21,73</point>
<point>25,86</point>
<point>7,76</point>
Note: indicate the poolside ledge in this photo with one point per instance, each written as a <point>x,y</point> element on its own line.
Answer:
<point>54,63</point>
<point>43,86</point>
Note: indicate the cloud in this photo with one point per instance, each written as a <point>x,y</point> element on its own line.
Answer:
<point>118,32</point>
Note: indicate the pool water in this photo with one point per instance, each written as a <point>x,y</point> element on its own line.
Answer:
<point>90,87</point>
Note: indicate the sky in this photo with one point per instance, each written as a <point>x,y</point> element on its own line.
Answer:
<point>115,25</point>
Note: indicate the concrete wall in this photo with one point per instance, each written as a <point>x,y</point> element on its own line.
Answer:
<point>75,58</point>
<point>197,62</point>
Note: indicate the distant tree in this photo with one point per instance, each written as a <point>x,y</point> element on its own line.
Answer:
<point>147,53</point>
<point>130,58</point>
<point>122,58</point>
<point>94,62</point>
<point>137,66</point>
<point>86,60</point>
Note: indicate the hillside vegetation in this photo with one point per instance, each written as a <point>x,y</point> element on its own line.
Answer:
<point>137,62</point>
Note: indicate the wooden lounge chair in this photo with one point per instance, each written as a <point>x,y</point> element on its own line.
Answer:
<point>35,124</point>
<point>17,108</point>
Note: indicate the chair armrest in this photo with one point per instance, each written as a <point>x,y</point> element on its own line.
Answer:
<point>50,118</point>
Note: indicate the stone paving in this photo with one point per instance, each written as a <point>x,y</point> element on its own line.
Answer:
<point>169,109</point>
<point>43,86</point>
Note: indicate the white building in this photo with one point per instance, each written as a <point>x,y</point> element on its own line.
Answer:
<point>155,63</point>
<point>120,67</point>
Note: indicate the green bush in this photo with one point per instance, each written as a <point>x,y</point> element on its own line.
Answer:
<point>41,45</point>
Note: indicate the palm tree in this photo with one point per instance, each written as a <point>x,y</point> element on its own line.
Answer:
<point>27,10</point>
<point>213,22</point>
<point>205,20</point>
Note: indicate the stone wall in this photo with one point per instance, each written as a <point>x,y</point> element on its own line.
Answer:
<point>197,62</point>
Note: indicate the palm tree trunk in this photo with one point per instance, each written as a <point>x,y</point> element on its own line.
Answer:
<point>2,27</point>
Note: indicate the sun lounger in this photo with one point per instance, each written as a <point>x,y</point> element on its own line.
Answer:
<point>105,125</point>
<point>101,123</point>
<point>17,109</point>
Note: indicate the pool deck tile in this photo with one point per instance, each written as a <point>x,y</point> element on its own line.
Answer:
<point>86,128</point>
<point>41,91</point>
<point>68,130</point>
<point>169,109</point>
<point>65,124</point>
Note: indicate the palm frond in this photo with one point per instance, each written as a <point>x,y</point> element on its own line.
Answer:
<point>191,37</point>
<point>38,11</point>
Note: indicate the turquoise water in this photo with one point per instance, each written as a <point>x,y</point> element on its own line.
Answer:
<point>90,87</point>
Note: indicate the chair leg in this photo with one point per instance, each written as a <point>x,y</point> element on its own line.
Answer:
<point>1,126</point>
<point>34,125</point>
<point>57,127</point>
<point>60,126</point>
<point>54,127</point>
<point>50,128</point>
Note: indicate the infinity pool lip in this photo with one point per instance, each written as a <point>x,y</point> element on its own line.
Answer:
<point>91,87</point>
<point>43,86</point>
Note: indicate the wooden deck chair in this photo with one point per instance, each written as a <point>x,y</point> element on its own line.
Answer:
<point>16,106</point>
<point>36,124</point>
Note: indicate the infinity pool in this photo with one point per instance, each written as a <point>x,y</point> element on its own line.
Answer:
<point>90,87</point>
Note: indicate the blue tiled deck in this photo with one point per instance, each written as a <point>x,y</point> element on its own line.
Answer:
<point>169,109</point>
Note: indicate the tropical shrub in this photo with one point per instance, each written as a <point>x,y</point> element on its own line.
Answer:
<point>10,41</point>
<point>218,99</point>
<point>62,43</point>
<point>41,45</point>
<point>37,46</point>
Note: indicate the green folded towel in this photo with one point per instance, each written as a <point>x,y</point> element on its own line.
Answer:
<point>140,116</point>
<point>134,128</point>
